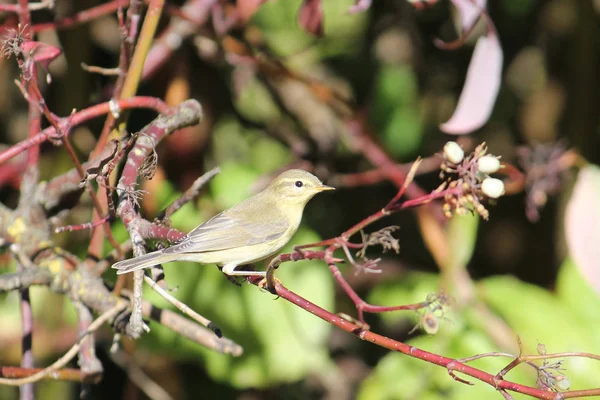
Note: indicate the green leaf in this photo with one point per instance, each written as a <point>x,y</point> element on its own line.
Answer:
<point>343,32</point>
<point>268,155</point>
<point>398,376</point>
<point>537,316</point>
<point>278,21</point>
<point>230,142</point>
<point>165,194</point>
<point>278,15</point>
<point>340,26</point>
<point>413,287</point>
<point>232,185</point>
<point>396,111</point>
<point>243,154</point>
<point>462,236</point>
<point>402,134</point>
<point>395,87</point>
<point>256,103</point>
<point>574,291</point>
<point>518,8</point>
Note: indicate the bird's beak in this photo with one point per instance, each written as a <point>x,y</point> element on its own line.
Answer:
<point>323,188</point>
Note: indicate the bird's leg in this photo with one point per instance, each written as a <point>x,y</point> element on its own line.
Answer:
<point>231,278</point>
<point>230,273</point>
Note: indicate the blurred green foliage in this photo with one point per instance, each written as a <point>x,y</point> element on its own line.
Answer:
<point>396,112</point>
<point>283,344</point>
<point>564,321</point>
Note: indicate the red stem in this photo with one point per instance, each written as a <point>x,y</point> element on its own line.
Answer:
<point>83,16</point>
<point>394,345</point>
<point>65,374</point>
<point>26,392</point>
<point>82,116</point>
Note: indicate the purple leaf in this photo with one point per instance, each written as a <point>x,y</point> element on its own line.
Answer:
<point>40,52</point>
<point>310,17</point>
<point>481,87</point>
<point>582,225</point>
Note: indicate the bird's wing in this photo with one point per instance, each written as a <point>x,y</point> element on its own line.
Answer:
<point>222,232</point>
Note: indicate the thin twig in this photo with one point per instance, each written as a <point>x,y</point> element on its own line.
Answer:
<point>183,307</point>
<point>139,377</point>
<point>101,71</point>
<point>189,194</point>
<point>68,356</point>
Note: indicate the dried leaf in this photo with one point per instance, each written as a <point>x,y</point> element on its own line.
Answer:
<point>481,87</point>
<point>41,53</point>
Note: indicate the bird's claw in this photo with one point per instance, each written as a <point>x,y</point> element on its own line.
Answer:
<point>269,281</point>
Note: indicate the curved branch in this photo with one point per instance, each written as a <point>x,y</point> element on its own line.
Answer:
<point>451,364</point>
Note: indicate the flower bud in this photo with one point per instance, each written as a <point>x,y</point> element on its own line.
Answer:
<point>492,187</point>
<point>430,323</point>
<point>453,152</point>
<point>488,164</point>
<point>563,383</point>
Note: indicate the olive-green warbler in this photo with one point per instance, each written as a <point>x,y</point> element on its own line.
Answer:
<point>249,231</point>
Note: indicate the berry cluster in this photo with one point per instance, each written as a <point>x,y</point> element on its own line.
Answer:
<point>469,180</point>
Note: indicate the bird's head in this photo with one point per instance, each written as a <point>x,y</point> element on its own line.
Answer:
<point>296,187</point>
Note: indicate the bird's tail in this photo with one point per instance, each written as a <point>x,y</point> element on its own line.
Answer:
<point>141,262</point>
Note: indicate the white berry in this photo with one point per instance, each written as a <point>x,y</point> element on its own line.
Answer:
<point>488,164</point>
<point>492,187</point>
<point>453,152</point>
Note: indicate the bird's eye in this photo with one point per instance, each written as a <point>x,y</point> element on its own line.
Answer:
<point>299,184</point>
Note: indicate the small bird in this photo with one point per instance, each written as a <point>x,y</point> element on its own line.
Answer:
<point>250,231</point>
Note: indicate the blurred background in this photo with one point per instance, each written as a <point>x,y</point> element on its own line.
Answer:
<point>288,110</point>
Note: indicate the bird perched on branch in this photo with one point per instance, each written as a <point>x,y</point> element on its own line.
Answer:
<point>250,231</point>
